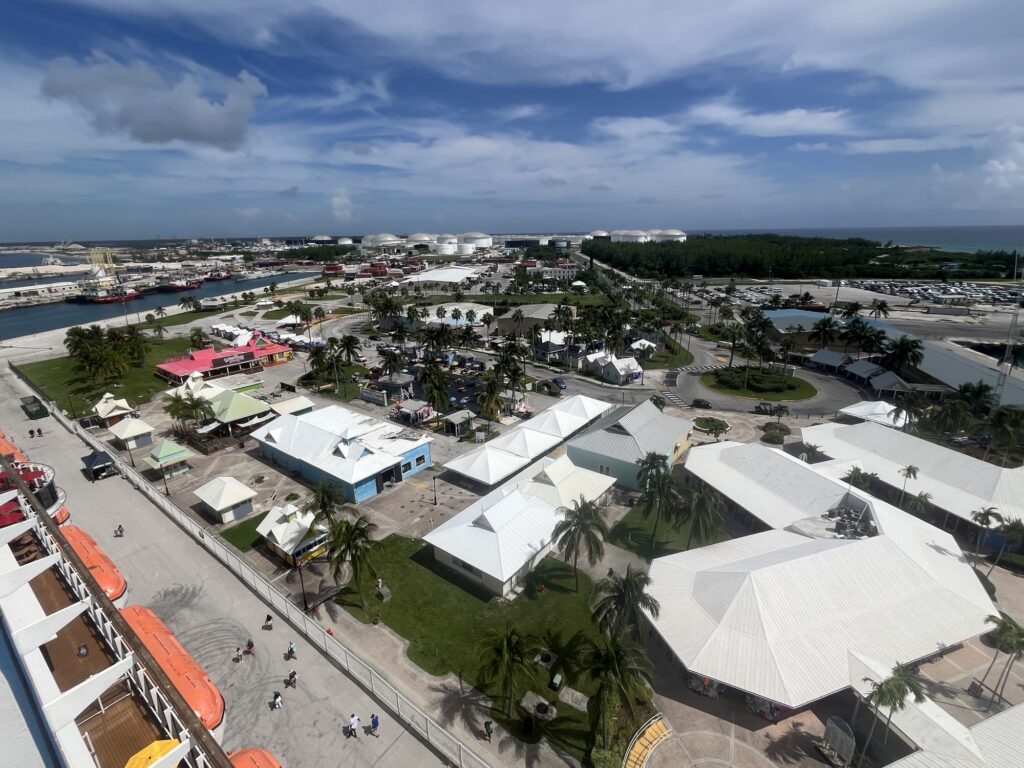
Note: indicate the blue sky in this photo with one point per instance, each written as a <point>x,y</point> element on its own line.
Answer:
<point>247,117</point>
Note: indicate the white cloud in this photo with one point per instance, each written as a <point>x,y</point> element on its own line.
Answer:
<point>1005,170</point>
<point>519,112</point>
<point>889,146</point>
<point>137,100</point>
<point>341,205</point>
<point>815,146</point>
<point>791,122</point>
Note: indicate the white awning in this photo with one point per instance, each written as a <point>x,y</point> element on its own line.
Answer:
<point>258,420</point>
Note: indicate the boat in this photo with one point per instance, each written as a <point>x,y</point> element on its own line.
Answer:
<point>253,275</point>
<point>54,261</point>
<point>94,295</point>
<point>220,275</point>
<point>180,285</point>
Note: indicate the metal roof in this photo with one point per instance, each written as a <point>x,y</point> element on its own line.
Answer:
<point>223,493</point>
<point>958,483</point>
<point>631,432</point>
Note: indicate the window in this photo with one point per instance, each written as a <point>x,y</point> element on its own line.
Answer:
<point>407,467</point>
<point>465,566</point>
<point>421,460</point>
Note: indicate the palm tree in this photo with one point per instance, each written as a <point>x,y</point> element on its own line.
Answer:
<point>196,338</point>
<point>160,312</point>
<point>854,333</point>
<point>910,406</point>
<point>705,516</point>
<point>619,601</point>
<point>778,411</point>
<point>199,408</point>
<point>1014,649</point>
<point>176,408</point>
<point>1005,635</point>
<point>1006,423</point>
<point>811,452</point>
<point>136,345</point>
<point>581,528</point>
<point>517,318</point>
<point>505,657</point>
<point>392,361</point>
<point>880,309</point>
<point>351,541</point>
<point>852,310</point>
<point>858,478</point>
<point>918,504</point>
<point>186,302</point>
<point>1012,533</point>
<point>488,321</point>
<point>903,353</point>
<point>488,397</point>
<point>349,345</point>
<point>658,492</point>
<point>978,396</point>
<point>622,673</point>
<point>909,472</point>
<point>984,518</point>
<point>323,502</point>
<point>435,386</point>
<point>891,693</point>
<point>825,331</point>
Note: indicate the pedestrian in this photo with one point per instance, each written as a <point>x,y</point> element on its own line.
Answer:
<point>278,701</point>
<point>39,432</point>
<point>238,655</point>
<point>250,647</point>
<point>291,650</point>
<point>488,729</point>
<point>353,725</point>
<point>119,531</point>
<point>31,433</point>
<point>374,725</point>
<point>268,623</point>
<point>290,682</point>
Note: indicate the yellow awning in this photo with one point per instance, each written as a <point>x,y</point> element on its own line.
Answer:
<point>149,755</point>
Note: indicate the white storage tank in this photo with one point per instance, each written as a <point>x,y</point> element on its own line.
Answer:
<point>447,240</point>
<point>476,239</point>
<point>446,249</point>
<point>465,249</point>
<point>669,235</point>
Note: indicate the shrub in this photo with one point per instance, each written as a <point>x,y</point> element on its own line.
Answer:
<point>775,426</point>
<point>292,497</point>
<point>774,438</point>
<point>258,479</point>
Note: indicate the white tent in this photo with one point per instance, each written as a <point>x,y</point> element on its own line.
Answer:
<point>877,411</point>
<point>643,344</point>
<point>289,320</point>
<point>557,423</point>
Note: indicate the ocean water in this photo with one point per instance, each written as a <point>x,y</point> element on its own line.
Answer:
<point>11,259</point>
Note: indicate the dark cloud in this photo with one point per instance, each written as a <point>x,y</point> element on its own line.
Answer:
<point>600,188</point>
<point>292,191</point>
<point>135,99</point>
<point>551,181</point>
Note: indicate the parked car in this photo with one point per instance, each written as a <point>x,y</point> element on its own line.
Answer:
<point>559,382</point>
<point>700,403</point>
<point>374,337</point>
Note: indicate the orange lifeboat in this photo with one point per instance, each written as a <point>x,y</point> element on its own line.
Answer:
<point>252,757</point>
<point>188,677</point>
<point>95,559</point>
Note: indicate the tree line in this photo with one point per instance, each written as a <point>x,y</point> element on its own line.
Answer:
<point>790,257</point>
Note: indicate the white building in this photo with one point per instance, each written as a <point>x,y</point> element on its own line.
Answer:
<point>132,433</point>
<point>227,498</point>
<point>959,484</point>
<point>499,539</point>
<point>293,534</point>
<point>780,614</point>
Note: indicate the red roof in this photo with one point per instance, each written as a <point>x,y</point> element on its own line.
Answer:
<point>208,359</point>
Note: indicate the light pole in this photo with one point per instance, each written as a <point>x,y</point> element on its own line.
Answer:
<point>128,445</point>
<point>302,585</point>
<point>163,473</point>
<point>435,490</point>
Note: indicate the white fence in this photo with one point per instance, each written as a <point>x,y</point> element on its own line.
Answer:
<point>440,739</point>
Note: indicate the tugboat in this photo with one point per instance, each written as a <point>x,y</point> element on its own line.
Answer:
<point>219,275</point>
<point>115,295</point>
<point>180,285</point>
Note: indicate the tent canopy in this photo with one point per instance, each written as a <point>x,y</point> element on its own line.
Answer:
<point>97,460</point>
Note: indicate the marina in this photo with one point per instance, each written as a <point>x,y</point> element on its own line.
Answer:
<point>28,320</point>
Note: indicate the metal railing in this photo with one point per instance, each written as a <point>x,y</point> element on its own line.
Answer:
<point>444,742</point>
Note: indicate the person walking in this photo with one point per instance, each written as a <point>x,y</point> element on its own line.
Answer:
<point>488,729</point>
<point>278,701</point>
<point>374,725</point>
<point>268,623</point>
<point>353,725</point>
<point>250,647</point>
<point>291,650</point>
<point>238,655</point>
<point>290,682</point>
<point>119,532</point>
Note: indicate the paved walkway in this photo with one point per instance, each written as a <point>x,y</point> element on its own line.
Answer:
<point>211,612</point>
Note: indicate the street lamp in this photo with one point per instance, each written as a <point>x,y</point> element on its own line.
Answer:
<point>435,490</point>
<point>302,585</point>
<point>163,474</point>
<point>128,445</point>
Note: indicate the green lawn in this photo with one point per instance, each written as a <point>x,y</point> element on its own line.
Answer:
<point>349,388</point>
<point>243,535</point>
<point>61,382</point>
<point>670,356</point>
<point>445,621</point>
<point>283,312</point>
<point>705,422</point>
<point>633,532</point>
<point>180,319</point>
<point>801,391</point>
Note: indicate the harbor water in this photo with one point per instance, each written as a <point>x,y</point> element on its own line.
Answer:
<point>25,321</point>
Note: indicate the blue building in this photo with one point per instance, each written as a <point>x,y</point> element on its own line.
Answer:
<point>358,454</point>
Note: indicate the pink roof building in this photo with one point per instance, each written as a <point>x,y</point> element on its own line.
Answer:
<point>252,356</point>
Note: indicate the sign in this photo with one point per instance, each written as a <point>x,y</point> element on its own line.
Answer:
<point>232,359</point>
